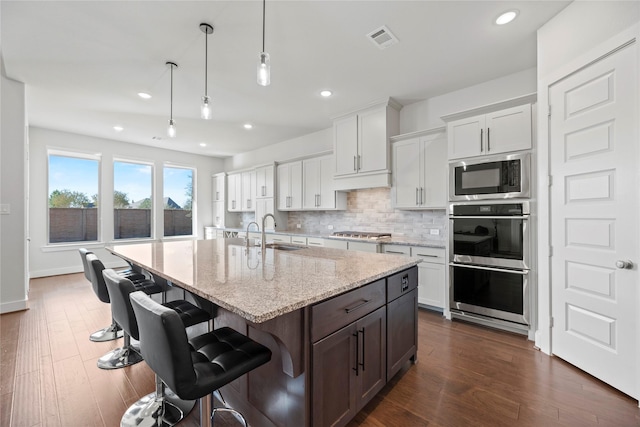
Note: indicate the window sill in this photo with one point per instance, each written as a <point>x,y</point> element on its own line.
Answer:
<point>62,247</point>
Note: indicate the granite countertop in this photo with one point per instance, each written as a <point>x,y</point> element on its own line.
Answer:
<point>258,286</point>
<point>392,241</point>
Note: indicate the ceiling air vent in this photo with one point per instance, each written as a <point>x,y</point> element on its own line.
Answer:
<point>382,37</point>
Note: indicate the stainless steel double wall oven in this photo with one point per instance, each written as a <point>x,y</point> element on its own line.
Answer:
<point>490,242</point>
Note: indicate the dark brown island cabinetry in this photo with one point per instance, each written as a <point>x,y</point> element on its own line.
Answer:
<point>372,332</point>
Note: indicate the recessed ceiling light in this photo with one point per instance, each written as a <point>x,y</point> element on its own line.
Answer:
<point>326,93</point>
<point>248,126</point>
<point>202,144</point>
<point>144,95</point>
<point>507,17</point>
<point>118,128</point>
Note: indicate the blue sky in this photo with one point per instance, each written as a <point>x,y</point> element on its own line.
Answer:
<point>132,178</point>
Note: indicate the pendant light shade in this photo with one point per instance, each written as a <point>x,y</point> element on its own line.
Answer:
<point>171,130</point>
<point>205,107</point>
<point>264,63</point>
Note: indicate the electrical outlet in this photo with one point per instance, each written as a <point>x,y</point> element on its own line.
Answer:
<point>434,232</point>
<point>298,226</point>
<point>5,209</point>
<point>330,227</point>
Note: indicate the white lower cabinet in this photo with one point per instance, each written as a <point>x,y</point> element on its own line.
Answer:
<point>431,272</point>
<point>363,246</point>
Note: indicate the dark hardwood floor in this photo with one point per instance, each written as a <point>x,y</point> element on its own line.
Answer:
<point>466,375</point>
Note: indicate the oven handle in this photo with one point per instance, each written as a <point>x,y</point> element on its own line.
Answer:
<point>501,270</point>
<point>451,217</point>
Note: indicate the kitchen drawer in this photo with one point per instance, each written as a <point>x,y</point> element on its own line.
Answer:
<point>435,255</point>
<point>278,238</point>
<point>402,283</point>
<point>329,316</point>
<point>299,240</point>
<point>397,250</point>
<point>315,241</point>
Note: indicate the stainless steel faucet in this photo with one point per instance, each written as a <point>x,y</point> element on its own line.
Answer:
<point>264,219</point>
<point>246,237</point>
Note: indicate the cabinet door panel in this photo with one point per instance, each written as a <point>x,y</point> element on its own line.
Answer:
<point>372,360</point>
<point>432,284</point>
<point>402,331</point>
<point>326,191</point>
<point>334,395</point>
<point>466,137</point>
<point>284,188</point>
<point>435,173</point>
<point>346,145</point>
<point>509,129</point>
<point>310,183</point>
<point>406,173</point>
<point>372,134</point>
<point>296,185</point>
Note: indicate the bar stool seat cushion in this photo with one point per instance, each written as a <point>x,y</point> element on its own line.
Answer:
<point>188,312</point>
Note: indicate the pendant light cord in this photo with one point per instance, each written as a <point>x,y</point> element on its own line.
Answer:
<point>206,60</point>
<point>171,95</point>
<point>264,7</point>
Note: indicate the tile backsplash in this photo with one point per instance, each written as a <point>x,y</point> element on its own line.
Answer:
<point>370,210</point>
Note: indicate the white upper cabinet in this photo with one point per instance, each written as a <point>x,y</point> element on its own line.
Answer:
<point>248,191</point>
<point>491,132</point>
<point>317,185</point>
<point>361,146</point>
<point>234,192</point>
<point>218,187</point>
<point>420,170</point>
<point>265,183</point>
<point>241,191</point>
<point>289,179</point>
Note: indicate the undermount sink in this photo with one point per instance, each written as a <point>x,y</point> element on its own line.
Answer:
<point>281,247</point>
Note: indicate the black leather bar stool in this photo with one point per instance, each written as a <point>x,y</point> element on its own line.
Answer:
<point>112,331</point>
<point>143,410</point>
<point>194,368</point>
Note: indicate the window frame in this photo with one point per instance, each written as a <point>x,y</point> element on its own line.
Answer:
<point>82,156</point>
<point>152,231</point>
<point>194,222</point>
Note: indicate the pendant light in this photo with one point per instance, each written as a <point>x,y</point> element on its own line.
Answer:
<point>171,130</point>
<point>264,65</point>
<point>205,108</point>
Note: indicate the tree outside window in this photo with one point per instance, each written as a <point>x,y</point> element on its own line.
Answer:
<point>73,198</point>
<point>178,201</point>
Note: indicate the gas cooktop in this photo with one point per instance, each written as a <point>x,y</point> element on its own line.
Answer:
<point>365,235</point>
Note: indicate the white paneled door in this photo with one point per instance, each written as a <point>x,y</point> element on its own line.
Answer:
<point>594,218</point>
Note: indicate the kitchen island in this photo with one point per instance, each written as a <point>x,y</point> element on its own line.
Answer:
<point>339,323</point>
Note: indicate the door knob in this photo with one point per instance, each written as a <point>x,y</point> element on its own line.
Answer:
<point>624,264</point>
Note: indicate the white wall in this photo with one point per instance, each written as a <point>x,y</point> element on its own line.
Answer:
<point>13,189</point>
<point>426,114</point>
<point>313,143</point>
<point>580,33</point>
<point>578,28</point>
<point>47,259</point>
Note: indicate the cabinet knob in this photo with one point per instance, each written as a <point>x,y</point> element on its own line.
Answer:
<point>624,264</point>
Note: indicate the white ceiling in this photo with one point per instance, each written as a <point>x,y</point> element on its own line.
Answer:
<point>83,62</point>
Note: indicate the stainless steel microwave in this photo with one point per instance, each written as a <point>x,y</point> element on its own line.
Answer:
<point>493,177</point>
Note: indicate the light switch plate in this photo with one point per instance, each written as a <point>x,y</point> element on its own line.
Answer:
<point>434,232</point>
<point>330,227</point>
<point>5,209</point>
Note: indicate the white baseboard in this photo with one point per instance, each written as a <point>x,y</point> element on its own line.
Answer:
<point>70,270</point>
<point>8,307</point>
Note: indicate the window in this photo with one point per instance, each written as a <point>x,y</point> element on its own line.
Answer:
<point>73,198</point>
<point>132,200</point>
<point>178,199</point>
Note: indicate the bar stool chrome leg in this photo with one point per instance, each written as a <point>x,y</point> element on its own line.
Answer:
<point>160,408</point>
<point>109,333</point>
<point>226,408</point>
<point>120,357</point>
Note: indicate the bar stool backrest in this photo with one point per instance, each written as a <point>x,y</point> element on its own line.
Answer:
<point>119,289</point>
<point>163,343</point>
<point>85,264</point>
<point>97,280</point>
